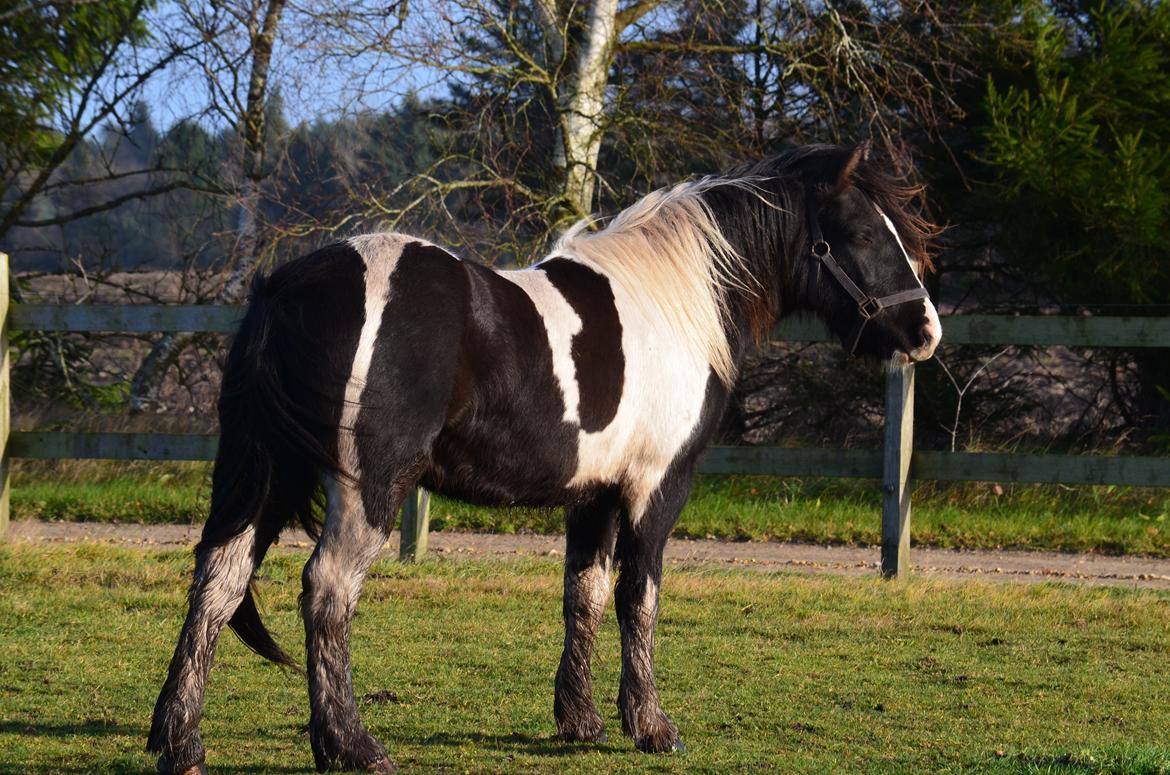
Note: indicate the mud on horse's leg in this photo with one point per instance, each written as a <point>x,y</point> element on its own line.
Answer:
<point>221,579</point>
<point>591,531</point>
<point>639,554</point>
<point>332,582</point>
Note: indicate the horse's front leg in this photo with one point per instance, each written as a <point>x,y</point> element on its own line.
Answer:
<point>590,535</point>
<point>640,544</point>
<point>332,582</point>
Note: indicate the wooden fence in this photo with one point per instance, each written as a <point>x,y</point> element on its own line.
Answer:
<point>897,465</point>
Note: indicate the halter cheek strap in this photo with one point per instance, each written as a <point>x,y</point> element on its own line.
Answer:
<point>867,306</point>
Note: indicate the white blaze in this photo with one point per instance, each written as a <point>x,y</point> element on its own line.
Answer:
<point>933,324</point>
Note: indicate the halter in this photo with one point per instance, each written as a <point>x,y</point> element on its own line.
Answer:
<point>867,306</point>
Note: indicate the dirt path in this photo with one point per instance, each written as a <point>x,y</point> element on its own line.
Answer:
<point>765,556</point>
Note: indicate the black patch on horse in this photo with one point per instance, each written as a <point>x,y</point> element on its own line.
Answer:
<point>505,441</point>
<point>598,359</point>
<point>284,389</point>
<point>323,328</point>
<point>412,368</point>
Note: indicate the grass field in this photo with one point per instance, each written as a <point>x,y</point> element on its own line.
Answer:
<point>1102,519</point>
<point>455,660</point>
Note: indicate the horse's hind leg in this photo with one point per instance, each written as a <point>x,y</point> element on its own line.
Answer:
<point>332,581</point>
<point>639,554</point>
<point>221,579</point>
<point>590,535</point>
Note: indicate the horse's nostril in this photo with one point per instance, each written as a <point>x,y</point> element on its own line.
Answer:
<point>926,336</point>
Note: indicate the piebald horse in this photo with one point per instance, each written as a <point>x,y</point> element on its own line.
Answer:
<point>591,380</point>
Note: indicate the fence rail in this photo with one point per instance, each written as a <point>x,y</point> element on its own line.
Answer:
<point>768,461</point>
<point>897,465</point>
<point>1037,330</point>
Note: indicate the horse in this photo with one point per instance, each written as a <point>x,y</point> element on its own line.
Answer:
<point>591,380</point>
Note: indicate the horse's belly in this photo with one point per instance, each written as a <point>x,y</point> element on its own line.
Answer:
<point>504,462</point>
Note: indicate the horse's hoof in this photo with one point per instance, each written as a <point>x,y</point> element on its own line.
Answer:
<point>382,766</point>
<point>166,766</point>
<point>665,739</point>
<point>585,727</point>
<point>653,745</point>
<point>576,736</point>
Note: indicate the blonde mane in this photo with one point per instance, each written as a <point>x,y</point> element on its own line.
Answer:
<point>667,253</point>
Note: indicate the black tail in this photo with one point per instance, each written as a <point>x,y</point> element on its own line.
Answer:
<point>279,408</point>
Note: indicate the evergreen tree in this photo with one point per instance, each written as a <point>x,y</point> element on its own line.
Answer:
<point>1080,152</point>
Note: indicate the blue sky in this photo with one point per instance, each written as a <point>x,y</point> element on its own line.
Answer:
<point>313,79</point>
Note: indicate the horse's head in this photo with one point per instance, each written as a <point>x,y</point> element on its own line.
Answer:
<point>862,281</point>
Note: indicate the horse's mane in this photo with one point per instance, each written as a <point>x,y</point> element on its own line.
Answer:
<point>673,254</point>
<point>669,254</point>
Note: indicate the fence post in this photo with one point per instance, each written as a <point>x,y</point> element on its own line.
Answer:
<point>899,447</point>
<point>5,396</point>
<point>416,521</point>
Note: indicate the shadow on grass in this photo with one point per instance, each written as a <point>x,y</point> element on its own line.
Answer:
<point>96,728</point>
<point>532,745</point>
<point>133,768</point>
<point>81,728</point>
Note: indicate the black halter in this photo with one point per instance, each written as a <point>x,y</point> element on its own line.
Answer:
<point>868,306</point>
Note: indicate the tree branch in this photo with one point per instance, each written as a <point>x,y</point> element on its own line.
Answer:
<point>60,220</point>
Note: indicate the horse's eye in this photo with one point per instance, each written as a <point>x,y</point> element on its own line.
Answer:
<point>863,238</point>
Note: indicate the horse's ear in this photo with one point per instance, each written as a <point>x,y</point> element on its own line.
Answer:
<point>859,154</point>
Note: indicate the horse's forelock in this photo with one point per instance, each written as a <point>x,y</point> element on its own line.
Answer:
<point>904,204</point>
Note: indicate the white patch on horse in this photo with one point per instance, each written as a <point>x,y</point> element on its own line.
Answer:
<point>561,323</point>
<point>650,601</point>
<point>933,324</point>
<point>595,580</point>
<point>221,579</point>
<point>934,330</point>
<point>898,239</point>
<point>662,402</point>
<point>349,543</point>
<point>664,387</point>
<point>380,253</point>
<point>668,252</point>
<point>224,575</point>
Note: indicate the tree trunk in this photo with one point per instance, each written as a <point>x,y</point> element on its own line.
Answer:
<point>583,105</point>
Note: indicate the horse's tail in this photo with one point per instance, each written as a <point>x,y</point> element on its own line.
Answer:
<point>272,449</point>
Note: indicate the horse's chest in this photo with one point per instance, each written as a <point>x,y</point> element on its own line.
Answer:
<point>660,413</point>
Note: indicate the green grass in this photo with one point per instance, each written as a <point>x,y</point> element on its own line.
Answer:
<point>976,516</point>
<point>761,672</point>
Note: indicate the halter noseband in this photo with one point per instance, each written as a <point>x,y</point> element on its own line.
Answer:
<point>868,306</point>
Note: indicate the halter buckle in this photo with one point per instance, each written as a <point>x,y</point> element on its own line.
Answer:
<point>820,248</point>
<point>869,307</point>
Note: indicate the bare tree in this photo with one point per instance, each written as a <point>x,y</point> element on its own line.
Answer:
<point>559,110</point>
<point>517,73</point>
<point>236,64</point>
<point>223,68</point>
